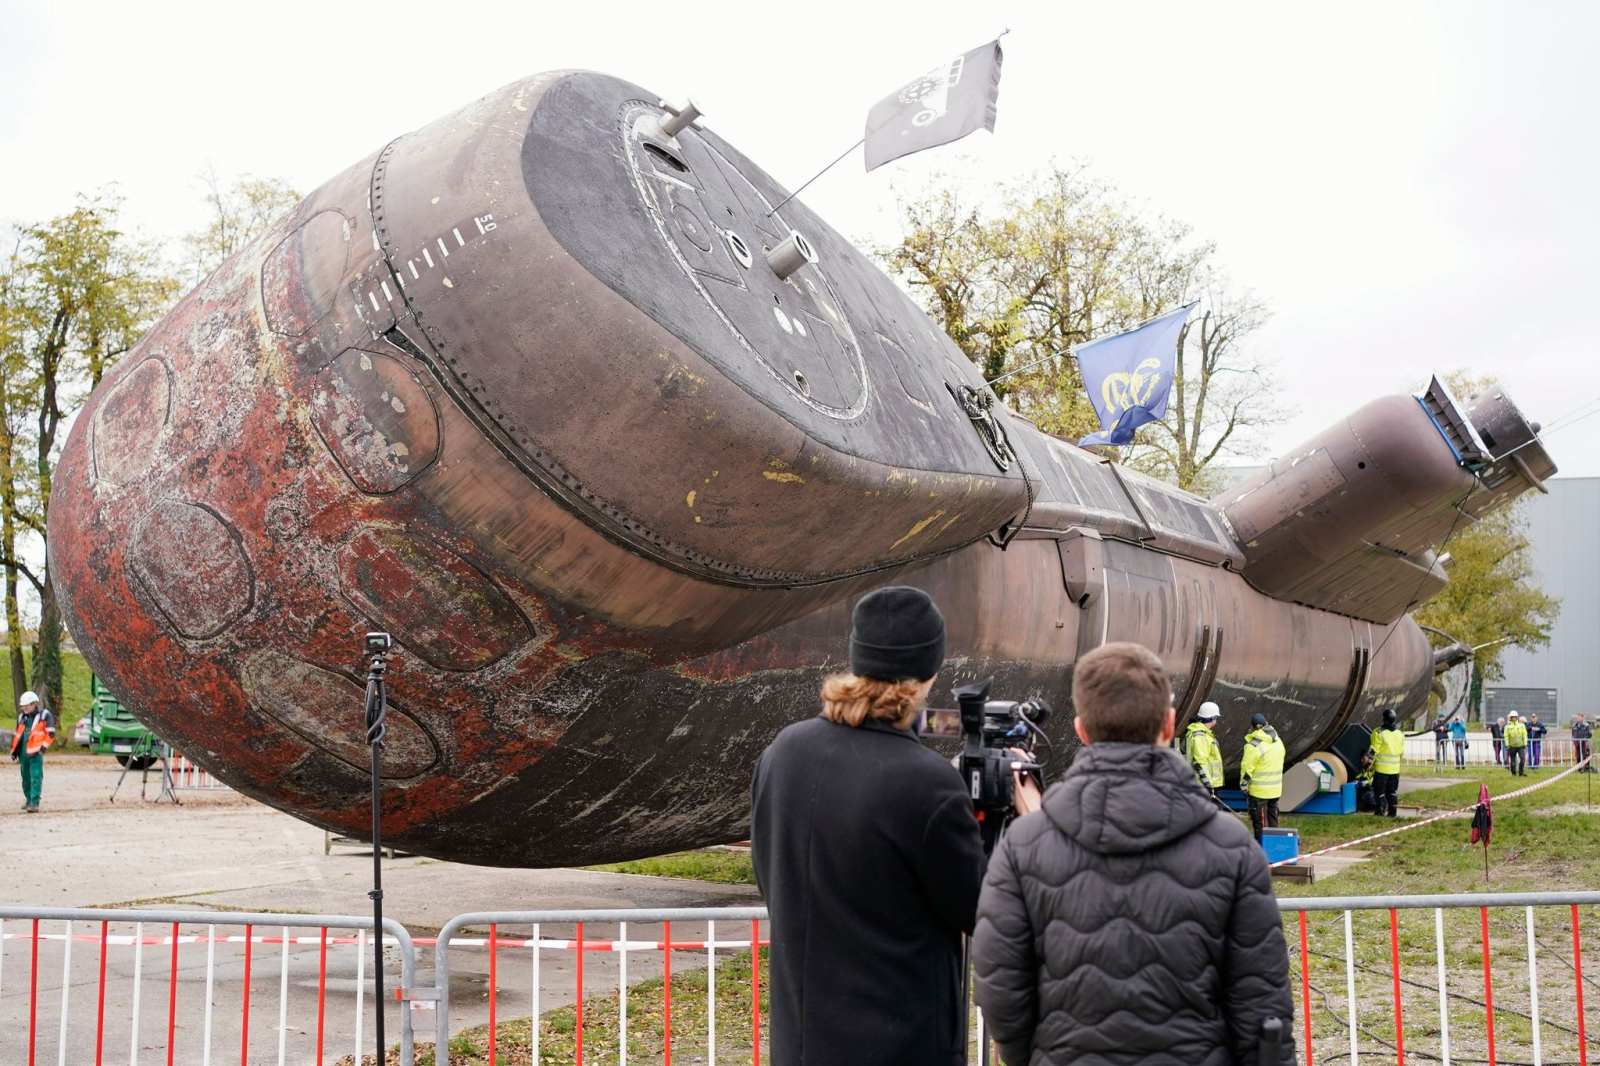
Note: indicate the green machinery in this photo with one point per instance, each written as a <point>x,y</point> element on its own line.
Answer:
<point>114,731</point>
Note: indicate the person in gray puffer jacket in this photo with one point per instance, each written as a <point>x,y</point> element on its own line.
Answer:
<point>1130,920</point>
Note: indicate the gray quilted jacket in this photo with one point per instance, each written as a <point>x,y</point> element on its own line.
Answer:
<point>1130,921</point>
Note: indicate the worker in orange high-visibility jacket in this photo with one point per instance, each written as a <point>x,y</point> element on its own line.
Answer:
<point>36,731</point>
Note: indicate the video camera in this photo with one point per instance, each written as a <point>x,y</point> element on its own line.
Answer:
<point>991,731</point>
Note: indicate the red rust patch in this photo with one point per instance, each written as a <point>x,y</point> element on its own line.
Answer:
<point>310,701</point>
<point>301,276</point>
<point>131,422</point>
<point>433,601</point>
<point>191,562</point>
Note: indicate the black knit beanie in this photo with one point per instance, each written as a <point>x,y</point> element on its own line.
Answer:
<point>896,634</point>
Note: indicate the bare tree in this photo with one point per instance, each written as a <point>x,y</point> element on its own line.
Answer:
<point>1062,259</point>
<point>239,211</point>
<point>1223,393</point>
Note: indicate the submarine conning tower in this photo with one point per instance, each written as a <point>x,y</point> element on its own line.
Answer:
<point>1347,521</point>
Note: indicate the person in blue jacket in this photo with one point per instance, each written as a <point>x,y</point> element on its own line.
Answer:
<point>1536,732</point>
<point>1458,739</point>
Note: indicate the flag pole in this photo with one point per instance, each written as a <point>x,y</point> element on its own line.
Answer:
<point>818,174</point>
<point>1030,366</point>
<point>841,158</point>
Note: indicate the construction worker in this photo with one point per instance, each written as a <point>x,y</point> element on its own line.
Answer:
<point>1516,745</point>
<point>1261,774</point>
<point>36,731</point>
<point>1365,798</point>
<point>1388,744</point>
<point>1201,747</point>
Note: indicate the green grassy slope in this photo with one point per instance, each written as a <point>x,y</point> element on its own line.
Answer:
<point>74,691</point>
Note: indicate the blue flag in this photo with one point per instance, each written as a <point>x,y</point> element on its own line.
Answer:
<point>1129,376</point>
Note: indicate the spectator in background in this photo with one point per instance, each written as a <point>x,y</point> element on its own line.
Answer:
<point>1581,732</point>
<point>1458,737</point>
<point>1497,734</point>
<point>1441,739</point>
<point>1536,732</point>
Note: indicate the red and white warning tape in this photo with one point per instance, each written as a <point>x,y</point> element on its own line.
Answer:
<point>1429,821</point>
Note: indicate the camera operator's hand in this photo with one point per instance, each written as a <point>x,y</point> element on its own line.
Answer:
<point>1025,795</point>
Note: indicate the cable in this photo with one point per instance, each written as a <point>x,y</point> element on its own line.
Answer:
<point>1369,1034</point>
<point>1417,1052</point>
<point>1335,919</point>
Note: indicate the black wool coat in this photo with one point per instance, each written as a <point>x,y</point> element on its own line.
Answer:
<point>869,857</point>
<point>1130,921</point>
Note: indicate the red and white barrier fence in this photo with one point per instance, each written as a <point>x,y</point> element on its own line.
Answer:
<point>1495,978</point>
<point>187,777</point>
<point>138,1013</point>
<point>1480,749</point>
<point>603,961</point>
<point>1487,978</point>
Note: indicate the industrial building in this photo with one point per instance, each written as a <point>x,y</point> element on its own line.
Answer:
<point>1562,679</point>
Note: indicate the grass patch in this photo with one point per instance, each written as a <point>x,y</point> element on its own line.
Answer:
<point>1545,841</point>
<point>720,867</point>
<point>74,693</point>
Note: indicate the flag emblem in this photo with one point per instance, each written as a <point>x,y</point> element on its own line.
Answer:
<point>950,101</point>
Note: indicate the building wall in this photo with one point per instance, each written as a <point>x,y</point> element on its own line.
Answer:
<point>1564,530</point>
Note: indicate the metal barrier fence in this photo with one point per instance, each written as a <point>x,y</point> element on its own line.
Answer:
<point>1431,980</point>
<point>1479,750</point>
<point>187,777</point>
<point>1493,977</point>
<point>162,1026</point>
<point>703,941</point>
<point>1466,977</point>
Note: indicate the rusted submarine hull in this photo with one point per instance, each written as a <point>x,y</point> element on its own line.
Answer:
<point>525,389</point>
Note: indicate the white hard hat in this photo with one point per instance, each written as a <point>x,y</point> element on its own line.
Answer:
<point>28,697</point>
<point>1513,714</point>
<point>1209,712</point>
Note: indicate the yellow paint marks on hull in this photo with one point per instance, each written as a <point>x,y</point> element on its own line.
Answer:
<point>919,527</point>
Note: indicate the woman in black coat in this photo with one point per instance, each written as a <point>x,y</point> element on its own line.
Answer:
<point>867,851</point>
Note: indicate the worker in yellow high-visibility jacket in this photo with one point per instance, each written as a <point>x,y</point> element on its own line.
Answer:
<point>1516,745</point>
<point>1201,747</point>
<point>1388,744</point>
<point>1261,774</point>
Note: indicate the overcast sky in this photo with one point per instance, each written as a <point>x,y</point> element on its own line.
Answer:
<point>1411,186</point>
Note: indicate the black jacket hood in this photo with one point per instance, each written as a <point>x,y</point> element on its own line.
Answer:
<point>1119,799</point>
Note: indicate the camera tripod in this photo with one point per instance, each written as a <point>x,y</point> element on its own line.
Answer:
<point>377,704</point>
<point>147,753</point>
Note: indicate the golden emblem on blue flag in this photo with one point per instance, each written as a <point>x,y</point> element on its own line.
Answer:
<point>1129,375</point>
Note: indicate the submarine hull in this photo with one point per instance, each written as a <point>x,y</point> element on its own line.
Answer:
<point>523,389</point>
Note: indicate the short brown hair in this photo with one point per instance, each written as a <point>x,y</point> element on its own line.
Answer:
<point>851,700</point>
<point>1121,692</point>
